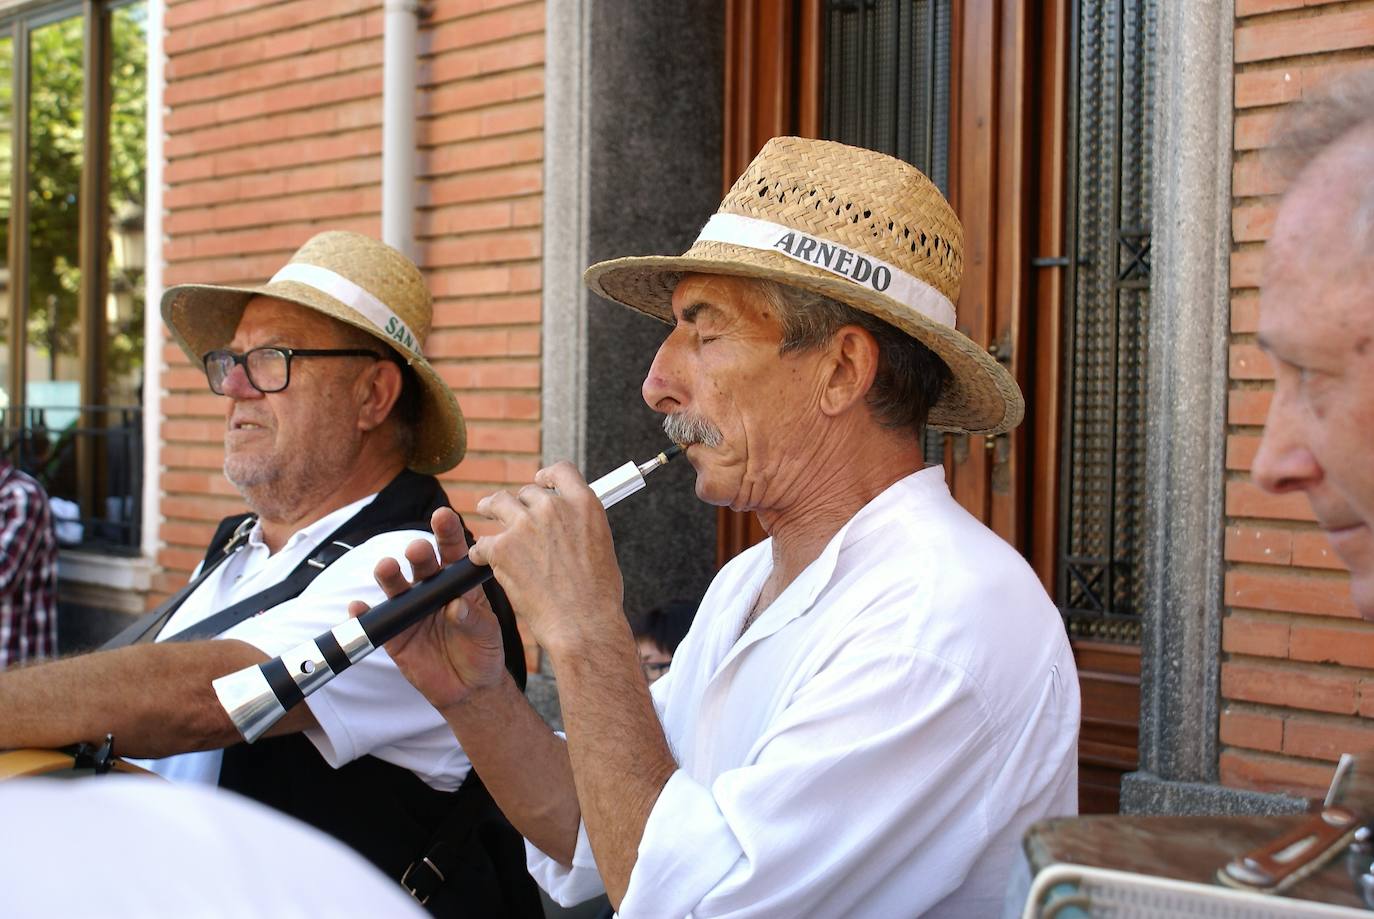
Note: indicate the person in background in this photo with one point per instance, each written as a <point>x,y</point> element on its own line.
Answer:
<point>335,427</point>
<point>28,569</point>
<point>1317,323</point>
<point>658,633</point>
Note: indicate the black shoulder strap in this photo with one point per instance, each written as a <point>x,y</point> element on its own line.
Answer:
<point>231,534</point>
<point>407,503</point>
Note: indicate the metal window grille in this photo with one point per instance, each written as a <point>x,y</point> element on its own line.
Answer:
<point>48,443</point>
<point>1106,320</point>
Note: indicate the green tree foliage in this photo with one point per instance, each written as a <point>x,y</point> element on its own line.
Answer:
<point>55,160</point>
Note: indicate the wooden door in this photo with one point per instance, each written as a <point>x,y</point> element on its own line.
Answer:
<point>1013,74</point>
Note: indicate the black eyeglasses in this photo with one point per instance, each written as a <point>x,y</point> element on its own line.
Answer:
<point>268,369</point>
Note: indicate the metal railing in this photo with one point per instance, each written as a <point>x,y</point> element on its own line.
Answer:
<point>90,461</point>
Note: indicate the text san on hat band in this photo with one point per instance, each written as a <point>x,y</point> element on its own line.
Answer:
<point>868,270</point>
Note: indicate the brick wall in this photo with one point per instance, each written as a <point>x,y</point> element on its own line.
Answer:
<point>273,132</point>
<point>1297,675</point>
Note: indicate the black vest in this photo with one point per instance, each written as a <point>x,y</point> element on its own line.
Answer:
<point>384,811</point>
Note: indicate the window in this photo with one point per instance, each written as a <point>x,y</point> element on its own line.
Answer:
<point>73,102</point>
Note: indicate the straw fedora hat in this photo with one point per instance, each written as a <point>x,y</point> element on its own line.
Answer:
<point>857,226</point>
<point>356,280</point>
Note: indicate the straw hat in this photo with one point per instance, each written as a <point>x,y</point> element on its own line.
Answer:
<point>853,225</point>
<point>356,280</point>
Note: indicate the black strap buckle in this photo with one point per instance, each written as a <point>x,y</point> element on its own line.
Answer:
<point>100,759</point>
<point>424,885</point>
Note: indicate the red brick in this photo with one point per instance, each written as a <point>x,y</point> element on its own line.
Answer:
<point>1290,82</point>
<point>223,59</point>
<point>1240,451</point>
<point>293,126</point>
<point>484,153</point>
<point>498,310</point>
<point>484,343</point>
<point>1316,594</point>
<point>1252,223</point>
<point>1267,87</point>
<point>1256,635</point>
<point>200,507</point>
<point>1254,729</point>
<point>1244,313</point>
<point>1256,7</point>
<point>1254,130</point>
<point>475,280</point>
<point>1253,175</point>
<point>1267,546</point>
<point>1290,685</point>
<point>503,437</point>
<point>1248,362</point>
<point>486,28</point>
<point>179,559</point>
<point>1248,406</point>
<point>266,20</point>
<point>1246,267</point>
<point>349,202</point>
<point>182,429</point>
<point>1348,645</point>
<point>1326,738</point>
<point>494,406</point>
<point>176,532</point>
<point>1311,549</point>
<point>491,374</point>
<point>1246,499</point>
<point>484,248</point>
<point>1290,37</point>
<point>1267,772</point>
<point>485,185</point>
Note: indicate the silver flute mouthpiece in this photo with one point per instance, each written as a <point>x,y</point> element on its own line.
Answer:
<point>257,697</point>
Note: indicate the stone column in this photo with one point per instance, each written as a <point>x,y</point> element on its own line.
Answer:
<point>1185,459</point>
<point>633,122</point>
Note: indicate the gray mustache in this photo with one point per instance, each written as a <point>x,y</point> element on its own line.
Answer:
<point>686,429</point>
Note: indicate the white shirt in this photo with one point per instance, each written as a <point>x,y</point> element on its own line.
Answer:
<point>369,708</point>
<point>176,851</point>
<point>876,743</point>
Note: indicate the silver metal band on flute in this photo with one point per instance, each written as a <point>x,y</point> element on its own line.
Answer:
<point>257,697</point>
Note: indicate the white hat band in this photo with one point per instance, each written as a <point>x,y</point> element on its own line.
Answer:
<point>865,270</point>
<point>354,297</point>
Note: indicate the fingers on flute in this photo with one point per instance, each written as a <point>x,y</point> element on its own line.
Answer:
<point>422,560</point>
<point>563,477</point>
<point>356,608</point>
<point>389,577</point>
<point>448,534</point>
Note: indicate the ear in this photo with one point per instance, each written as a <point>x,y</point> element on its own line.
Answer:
<point>851,362</point>
<point>378,389</point>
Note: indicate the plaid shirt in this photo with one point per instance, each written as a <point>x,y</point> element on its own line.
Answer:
<point>28,570</point>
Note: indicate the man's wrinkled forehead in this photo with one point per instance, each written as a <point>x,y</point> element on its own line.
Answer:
<point>270,321</point>
<point>716,296</point>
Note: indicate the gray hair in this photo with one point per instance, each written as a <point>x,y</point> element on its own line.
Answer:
<point>910,377</point>
<point>1315,125</point>
<point>406,410</point>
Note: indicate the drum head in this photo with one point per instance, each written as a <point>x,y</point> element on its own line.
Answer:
<point>16,764</point>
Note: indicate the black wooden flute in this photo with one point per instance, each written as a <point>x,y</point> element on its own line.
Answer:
<point>257,697</point>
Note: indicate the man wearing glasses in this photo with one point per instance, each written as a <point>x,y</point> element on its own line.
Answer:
<point>335,424</point>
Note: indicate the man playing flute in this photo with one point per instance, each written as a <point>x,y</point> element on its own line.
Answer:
<point>873,703</point>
